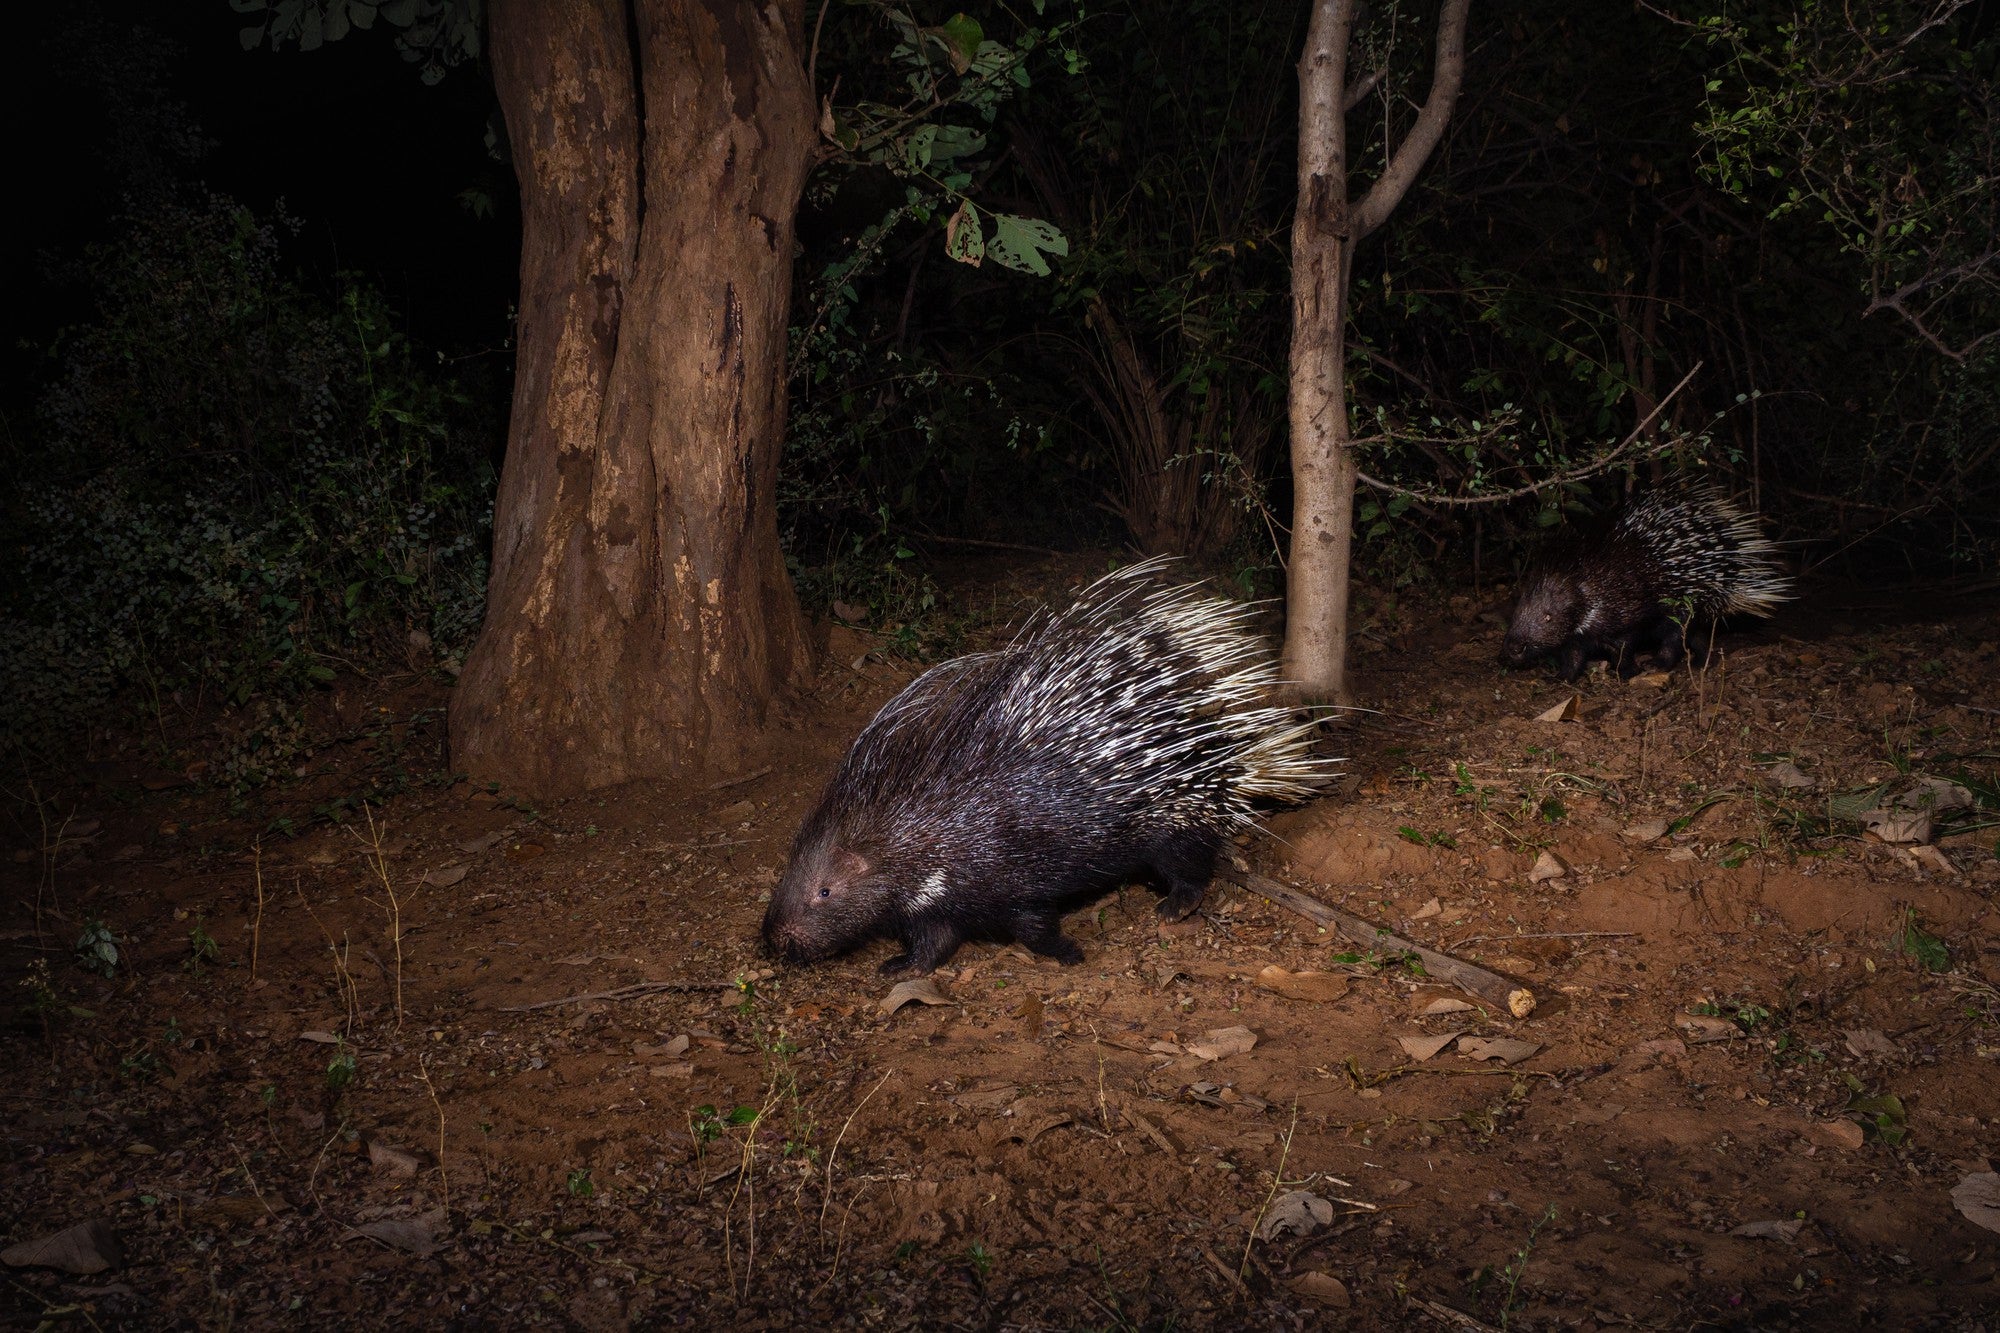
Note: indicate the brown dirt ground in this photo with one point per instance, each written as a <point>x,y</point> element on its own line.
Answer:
<point>1042,1151</point>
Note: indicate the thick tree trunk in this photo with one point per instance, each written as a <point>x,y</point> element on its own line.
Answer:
<point>640,622</point>
<point>1325,231</point>
<point>1322,462</point>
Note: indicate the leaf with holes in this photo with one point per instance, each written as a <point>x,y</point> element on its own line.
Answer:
<point>1019,243</point>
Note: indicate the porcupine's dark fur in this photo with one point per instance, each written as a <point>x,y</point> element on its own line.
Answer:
<point>1673,555</point>
<point>1122,739</point>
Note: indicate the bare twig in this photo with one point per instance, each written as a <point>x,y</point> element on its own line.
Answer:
<point>631,992</point>
<point>1603,464</point>
<point>1277,1181</point>
<point>1551,935</point>
<point>835,1152</point>
<point>1501,992</point>
<point>444,1180</point>
<point>257,922</point>
<point>394,908</point>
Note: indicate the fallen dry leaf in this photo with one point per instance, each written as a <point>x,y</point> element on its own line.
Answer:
<point>667,1050</point>
<point>1322,1287</point>
<point>323,1038</point>
<point>1222,1042</point>
<point>1296,1211</point>
<point>1507,1050</point>
<point>1977,1198</point>
<point>1782,1228</point>
<point>445,876</point>
<point>1933,858</point>
<point>525,851</point>
<point>1898,826</point>
<point>1431,1005</point>
<point>1789,775</point>
<point>396,1161</point>
<point>1652,680</point>
<point>1319,987</point>
<point>1547,866</point>
<point>1562,712</point>
<point>1646,830</point>
<point>416,1235</point>
<point>1869,1041</point>
<point>1662,1048</point>
<point>474,846</point>
<point>1427,911</point>
<point>922,990</point>
<point>1839,1133</point>
<point>1423,1048</point>
<point>87,1247</point>
<point>1707,1027</point>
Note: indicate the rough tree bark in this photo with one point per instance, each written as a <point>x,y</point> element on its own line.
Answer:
<point>640,622</point>
<point>1327,227</point>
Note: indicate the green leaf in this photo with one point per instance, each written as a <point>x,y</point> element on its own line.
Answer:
<point>962,34</point>
<point>949,141</point>
<point>1019,243</point>
<point>963,239</point>
<point>743,1115</point>
<point>251,37</point>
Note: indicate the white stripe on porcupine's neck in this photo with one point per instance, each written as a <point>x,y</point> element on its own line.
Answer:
<point>929,891</point>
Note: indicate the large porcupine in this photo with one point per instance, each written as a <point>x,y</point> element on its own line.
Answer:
<point>1671,555</point>
<point>1123,738</point>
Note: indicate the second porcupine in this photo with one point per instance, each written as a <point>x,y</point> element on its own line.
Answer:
<point>1123,738</point>
<point>1674,554</point>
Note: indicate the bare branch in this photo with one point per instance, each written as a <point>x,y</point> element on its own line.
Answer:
<point>1410,155</point>
<point>1360,91</point>
<point>1603,464</point>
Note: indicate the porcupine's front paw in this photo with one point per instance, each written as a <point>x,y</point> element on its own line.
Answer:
<point>1181,903</point>
<point>925,950</point>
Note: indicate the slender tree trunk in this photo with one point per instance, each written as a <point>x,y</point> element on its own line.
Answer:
<point>639,620</point>
<point>1325,231</point>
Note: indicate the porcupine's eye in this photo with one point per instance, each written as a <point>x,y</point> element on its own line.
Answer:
<point>825,892</point>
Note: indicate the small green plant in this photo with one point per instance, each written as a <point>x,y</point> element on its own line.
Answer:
<point>1745,1016</point>
<point>140,1065</point>
<point>202,948</point>
<point>1881,1114</point>
<point>980,1258</point>
<point>340,1071</point>
<point>1913,941</point>
<point>580,1186</point>
<point>1381,961</point>
<point>705,1125</point>
<point>1519,1266</point>
<point>1464,785</point>
<point>97,948</point>
<point>1421,839</point>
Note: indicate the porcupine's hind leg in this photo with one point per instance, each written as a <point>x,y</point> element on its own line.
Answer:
<point>1673,645</point>
<point>1185,863</point>
<point>1041,932</point>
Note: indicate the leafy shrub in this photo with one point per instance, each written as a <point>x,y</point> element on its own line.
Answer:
<point>235,484</point>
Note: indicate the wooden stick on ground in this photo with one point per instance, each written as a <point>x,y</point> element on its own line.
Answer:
<point>1496,990</point>
<point>631,992</point>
